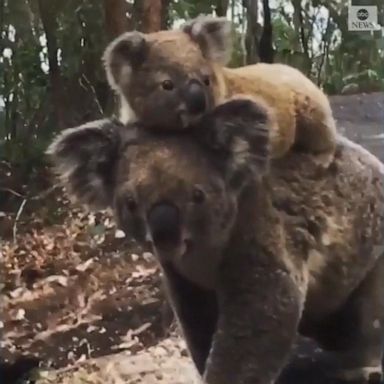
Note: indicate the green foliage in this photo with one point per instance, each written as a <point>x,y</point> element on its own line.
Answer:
<point>365,81</point>
<point>28,118</point>
<point>237,58</point>
<point>186,9</point>
<point>337,58</point>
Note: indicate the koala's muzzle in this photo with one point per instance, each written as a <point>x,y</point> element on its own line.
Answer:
<point>194,96</point>
<point>165,225</point>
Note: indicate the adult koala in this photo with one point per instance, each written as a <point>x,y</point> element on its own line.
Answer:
<point>253,251</point>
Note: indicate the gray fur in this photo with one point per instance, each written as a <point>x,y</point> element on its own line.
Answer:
<point>125,52</point>
<point>213,34</point>
<point>292,249</point>
<point>85,158</point>
<point>239,128</point>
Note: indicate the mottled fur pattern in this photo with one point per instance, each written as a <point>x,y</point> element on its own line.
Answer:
<point>212,36</point>
<point>290,247</point>
<point>89,173</point>
<point>137,65</point>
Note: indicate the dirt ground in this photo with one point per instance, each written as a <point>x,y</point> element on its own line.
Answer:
<point>83,304</point>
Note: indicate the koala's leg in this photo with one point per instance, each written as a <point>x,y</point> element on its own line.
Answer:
<point>259,310</point>
<point>355,335</point>
<point>196,311</point>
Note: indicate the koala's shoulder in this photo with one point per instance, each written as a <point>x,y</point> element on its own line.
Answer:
<point>332,202</point>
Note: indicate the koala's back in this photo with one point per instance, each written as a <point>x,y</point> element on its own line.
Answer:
<point>303,111</point>
<point>333,216</point>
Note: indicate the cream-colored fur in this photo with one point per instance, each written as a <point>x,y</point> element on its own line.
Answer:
<point>303,112</point>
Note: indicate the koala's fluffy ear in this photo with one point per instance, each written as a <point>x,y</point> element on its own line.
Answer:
<point>213,34</point>
<point>237,132</point>
<point>123,54</point>
<point>86,159</point>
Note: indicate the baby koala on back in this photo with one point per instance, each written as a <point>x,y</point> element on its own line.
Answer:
<point>169,79</point>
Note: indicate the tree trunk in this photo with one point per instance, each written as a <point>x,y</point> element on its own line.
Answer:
<point>298,21</point>
<point>116,20</point>
<point>266,52</point>
<point>14,115</point>
<point>252,33</point>
<point>47,10</point>
<point>165,19</point>
<point>222,8</point>
<point>325,41</point>
<point>151,15</point>
<point>2,9</point>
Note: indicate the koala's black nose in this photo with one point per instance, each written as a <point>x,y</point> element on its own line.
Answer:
<point>194,96</point>
<point>164,224</point>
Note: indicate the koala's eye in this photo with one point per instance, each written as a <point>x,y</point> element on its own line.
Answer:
<point>207,80</point>
<point>130,203</point>
<point>198,196</point>
<point>167,85</point>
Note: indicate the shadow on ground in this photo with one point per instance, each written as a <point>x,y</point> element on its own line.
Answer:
<point>306,369</point>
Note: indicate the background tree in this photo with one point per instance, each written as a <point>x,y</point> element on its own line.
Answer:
<point>117,20</point>
<point>266,51</point>
<point>48,10</point>
<point>253,30</point>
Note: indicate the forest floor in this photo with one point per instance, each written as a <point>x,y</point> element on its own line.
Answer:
<point>82,304</point>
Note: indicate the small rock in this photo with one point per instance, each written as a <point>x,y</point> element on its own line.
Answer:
<point>141,329</point>
<point>16,293</point>
<point>134,257</point>
<point>159,376</point>
<point>61,280</point>
<point>160,351</point>
<point>148,256</point>
<point>84,266</point>
<point>91,328</point>
<point>119,234</point>
<point>20,314</point>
